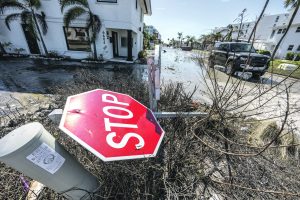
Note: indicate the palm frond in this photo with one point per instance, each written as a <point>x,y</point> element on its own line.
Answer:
<point>34,3</point>
<point>66,3</point>
<point>11,18</point>
<point>291,3</point>
<point>41,18</point>
<point>11,4</point>
<point>72,14</point>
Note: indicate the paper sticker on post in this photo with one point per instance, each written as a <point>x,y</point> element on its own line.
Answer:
<point>46,158</point>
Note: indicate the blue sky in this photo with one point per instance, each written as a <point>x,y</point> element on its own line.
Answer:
<point>196,17</point>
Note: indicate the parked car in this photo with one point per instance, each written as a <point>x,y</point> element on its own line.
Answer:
<point>238,56</point>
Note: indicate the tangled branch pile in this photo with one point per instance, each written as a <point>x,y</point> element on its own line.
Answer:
<point>200,158</point>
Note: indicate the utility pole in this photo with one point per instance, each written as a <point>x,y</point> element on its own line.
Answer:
<point>258,20</point>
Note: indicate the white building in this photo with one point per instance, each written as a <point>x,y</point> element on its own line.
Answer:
<point>151,30</point>
<point>269,32</point>
<point>121,35</point>
<point>273,33</point>
<point>244,34</point>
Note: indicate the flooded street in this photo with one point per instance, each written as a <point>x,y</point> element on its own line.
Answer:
<point>179,67</point>
<point>24,81</point>
<point>36,76</point>
<point>259,98</point>
<point>25,84</point>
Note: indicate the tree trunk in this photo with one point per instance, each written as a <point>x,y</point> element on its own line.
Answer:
<point>94,45</point>
<point>39,31</point>
<point>2,48</point>
<point>287,29</point>
<point>95,50</point>
<point>258,20</point>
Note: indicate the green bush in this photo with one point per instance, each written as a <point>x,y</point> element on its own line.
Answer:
<point>264,52</point>
<point>290,56</point>
<point>297,57</point>
<point>142,54</point>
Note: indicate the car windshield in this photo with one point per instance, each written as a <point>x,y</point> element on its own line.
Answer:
<point>242,48</point>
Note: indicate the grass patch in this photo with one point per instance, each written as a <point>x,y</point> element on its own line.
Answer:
<point>276,63</point>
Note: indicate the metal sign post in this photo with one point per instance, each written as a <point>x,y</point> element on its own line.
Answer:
<point>154,72</point>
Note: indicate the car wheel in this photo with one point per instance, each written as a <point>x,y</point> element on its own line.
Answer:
<point>229,68</point>
<point>257,75</point>
<point>211,63</point>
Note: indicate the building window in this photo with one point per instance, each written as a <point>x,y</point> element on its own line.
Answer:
<point>298,49</point>
<point>284,30</point>
<point>298,29</point>
<point>77,39</point>
<point>108,1</point>
<point>277,18</point>
<point>279,31</point>
<point>273,33</point>
<point>290,47</point>
<point>124,42</point>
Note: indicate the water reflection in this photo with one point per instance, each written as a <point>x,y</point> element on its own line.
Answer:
<point>37,76</point>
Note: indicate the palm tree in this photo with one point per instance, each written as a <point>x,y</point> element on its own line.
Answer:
<point>192,40</point>
<point>188,40</point>
<point>228,36</point>
<point>28,16</point>
<point>258,20</point>
<point>173,42</point>
<point>2,49</point>
<point>180,37</point>
<point>294,4</point>
<point>80,8</point>
<point>217,36</point>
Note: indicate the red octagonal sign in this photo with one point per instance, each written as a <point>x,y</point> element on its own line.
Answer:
<point>111,125</point>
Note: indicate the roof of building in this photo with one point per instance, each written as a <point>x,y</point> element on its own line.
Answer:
<point>146,5</point>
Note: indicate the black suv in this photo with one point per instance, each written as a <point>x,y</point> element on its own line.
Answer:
<point>238,56</point>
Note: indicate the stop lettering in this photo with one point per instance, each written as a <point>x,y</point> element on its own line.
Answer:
<point>111,125</point>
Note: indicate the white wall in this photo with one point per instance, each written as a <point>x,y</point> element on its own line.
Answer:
<point>122,15</point>
<point>267,25</point>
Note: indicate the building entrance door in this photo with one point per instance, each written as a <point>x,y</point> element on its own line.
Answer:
<point>115,44</point>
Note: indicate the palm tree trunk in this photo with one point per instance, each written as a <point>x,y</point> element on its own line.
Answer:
<point>2,48</point>
<point>95,50</point>
<point>287,29</point>
<point>94,45</point>
<point>39,31</point>
<point>258,20</point>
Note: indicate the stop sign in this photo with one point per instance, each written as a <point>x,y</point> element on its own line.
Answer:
<point>111,125</point>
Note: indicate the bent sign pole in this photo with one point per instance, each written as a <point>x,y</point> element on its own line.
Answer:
<point>154,73</point>
<point>111,125</point>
